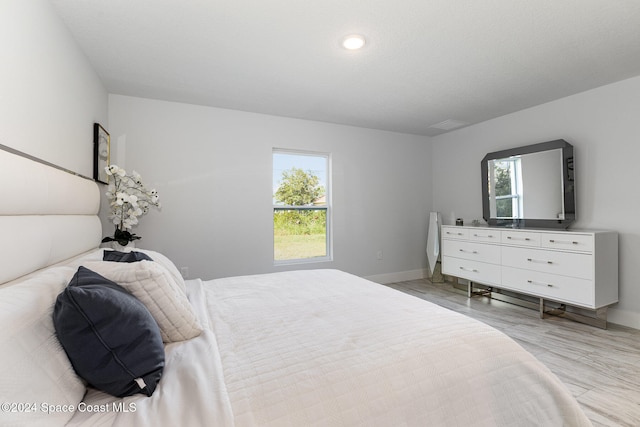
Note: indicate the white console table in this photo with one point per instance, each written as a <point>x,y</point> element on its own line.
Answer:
<point>574,268</point>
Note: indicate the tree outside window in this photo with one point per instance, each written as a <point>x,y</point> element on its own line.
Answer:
<point>508,187</point>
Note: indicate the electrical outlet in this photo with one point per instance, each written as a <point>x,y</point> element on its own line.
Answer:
<point>379,255</point>
<point>184,271</point>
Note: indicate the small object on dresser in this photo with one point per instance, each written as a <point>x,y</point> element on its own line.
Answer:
<point>459,221</point>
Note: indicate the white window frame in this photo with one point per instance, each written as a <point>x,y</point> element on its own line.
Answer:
<point>328,208</point>
<point>516,196</point>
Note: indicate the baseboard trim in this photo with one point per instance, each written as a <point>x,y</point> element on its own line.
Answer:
<point>400,276</point>
<point>623,317</point>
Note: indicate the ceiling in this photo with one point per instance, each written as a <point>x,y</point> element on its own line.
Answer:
<point>425,61</point>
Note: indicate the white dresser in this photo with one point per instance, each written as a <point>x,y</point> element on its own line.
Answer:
<point>576,268</point>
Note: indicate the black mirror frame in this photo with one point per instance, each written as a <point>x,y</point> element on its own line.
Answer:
<point>568,177</point>
<point>100,133</point>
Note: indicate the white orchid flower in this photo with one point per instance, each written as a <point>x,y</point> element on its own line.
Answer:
<point>111,170</point>
<point>121,199</point>
<point>128,198</point>
<point>136,177</point>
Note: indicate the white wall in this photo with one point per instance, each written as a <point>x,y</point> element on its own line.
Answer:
<point>49,94</point>
<point>212,168</point>
<point>603,126</point>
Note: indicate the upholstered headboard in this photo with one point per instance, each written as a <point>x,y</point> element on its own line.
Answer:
<point>47,215</point>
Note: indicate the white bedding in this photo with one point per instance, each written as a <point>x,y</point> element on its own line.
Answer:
<point>325,348</point>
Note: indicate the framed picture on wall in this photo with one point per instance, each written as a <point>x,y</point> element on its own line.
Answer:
<point>101,152</point>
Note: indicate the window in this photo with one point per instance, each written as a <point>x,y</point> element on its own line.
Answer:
<point>301,207</point>
<point>507,175</point>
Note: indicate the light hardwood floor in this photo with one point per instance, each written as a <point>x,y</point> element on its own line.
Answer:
<point>600,367</point>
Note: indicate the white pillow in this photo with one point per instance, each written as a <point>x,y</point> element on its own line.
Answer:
<point>34,368</point>
<point>168,264</point>
<point>152,284</point>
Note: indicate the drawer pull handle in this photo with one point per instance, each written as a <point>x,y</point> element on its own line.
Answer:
<point>549,285</point>
<point>489,236</point>
<point>571,242</point>
<point>473,270</point>
<point>539,260</point>
<point>468,252</point>
<point>456,234</point>
<point>518,238</point>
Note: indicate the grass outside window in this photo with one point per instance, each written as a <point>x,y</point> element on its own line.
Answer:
<point>299,234</point>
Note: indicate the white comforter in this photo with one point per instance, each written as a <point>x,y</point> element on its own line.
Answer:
<point>325,348</point>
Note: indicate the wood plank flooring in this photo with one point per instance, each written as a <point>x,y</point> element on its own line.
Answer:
<point>600,367</point>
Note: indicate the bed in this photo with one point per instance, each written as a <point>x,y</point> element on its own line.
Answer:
<point>299,348</point>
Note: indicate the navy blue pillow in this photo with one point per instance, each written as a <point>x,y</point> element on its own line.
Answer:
<point>110,337</point>
<point>118,256</point>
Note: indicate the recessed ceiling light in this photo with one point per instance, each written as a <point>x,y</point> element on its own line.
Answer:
<point>353,42</point>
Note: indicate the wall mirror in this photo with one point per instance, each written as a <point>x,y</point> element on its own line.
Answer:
<point>530,186</point>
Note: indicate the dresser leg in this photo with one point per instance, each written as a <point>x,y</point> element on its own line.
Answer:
<point>599,318</point>
<point>542,308</point>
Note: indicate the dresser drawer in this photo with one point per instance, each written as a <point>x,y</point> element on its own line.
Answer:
<point>455,233</point>
<point>569,241</point>
<point>551,286</point>
<point>520,238</point>
<point>472,270</point>
<point>480,235</point>
<point>473,251</point>
<point>546,261</point>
